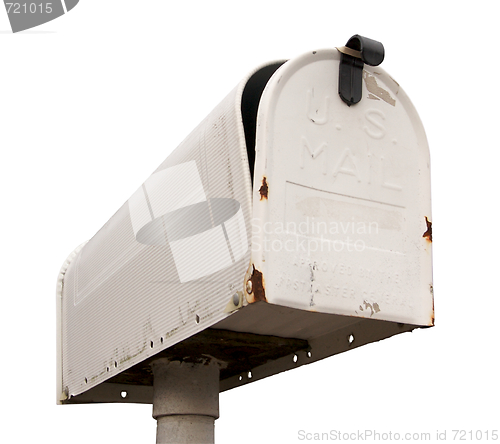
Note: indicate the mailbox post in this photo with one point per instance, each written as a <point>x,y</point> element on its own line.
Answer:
<point>185,400</point>
<point>292,224</point>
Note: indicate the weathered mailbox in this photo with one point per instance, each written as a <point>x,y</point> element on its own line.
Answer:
<point>292,224</point>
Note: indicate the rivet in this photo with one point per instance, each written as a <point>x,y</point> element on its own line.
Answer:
<point>236,299</point>
<point>249,287</point>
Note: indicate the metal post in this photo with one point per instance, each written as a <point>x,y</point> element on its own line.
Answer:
<point>185,401</point>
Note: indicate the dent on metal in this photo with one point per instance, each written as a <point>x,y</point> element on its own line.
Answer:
<point>428,232</point>
<point>377,92</point>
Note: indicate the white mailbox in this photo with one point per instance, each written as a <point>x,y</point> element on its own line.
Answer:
<point>292,224</point>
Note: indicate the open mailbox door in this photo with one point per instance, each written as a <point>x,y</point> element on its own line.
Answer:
<point>289,226</point>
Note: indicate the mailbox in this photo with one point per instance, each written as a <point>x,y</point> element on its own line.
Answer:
<point>292,224</point>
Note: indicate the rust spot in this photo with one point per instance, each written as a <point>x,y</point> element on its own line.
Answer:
<point>264,189</point>
<point>258,286</point>
<point>428,233</point>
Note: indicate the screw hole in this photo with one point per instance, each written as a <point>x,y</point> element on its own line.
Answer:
<point>107,369</point>
<point>161,340</point>
<point>86,381</point>
<point>249,374</point>
<point>123,394</point>
<point>240,378</point>
<point>197,319</point>
<point>350,339</point>
<point>151,344</point>
<point>295,358</point>
<point>116,364</point>
<point>309,354</point>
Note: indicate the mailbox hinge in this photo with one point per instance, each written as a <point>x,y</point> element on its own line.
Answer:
<point>357,51</point>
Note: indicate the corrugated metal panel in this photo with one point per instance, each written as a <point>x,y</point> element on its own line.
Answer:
<point>127,296</point>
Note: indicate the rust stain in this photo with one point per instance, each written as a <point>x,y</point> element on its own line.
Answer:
<point>264,189</point>
<point>258,286</point>
<point>428,233</point>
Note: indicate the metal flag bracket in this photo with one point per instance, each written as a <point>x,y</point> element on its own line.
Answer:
<point>357,51</point>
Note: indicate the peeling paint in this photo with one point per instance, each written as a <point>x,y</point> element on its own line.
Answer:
<point>373,87</point>
<point>374,308</point>
<point>372,97</point>
<point>312,278</point>
<point>395,83</point>
<point>428,233</point>
<point>264,189</point>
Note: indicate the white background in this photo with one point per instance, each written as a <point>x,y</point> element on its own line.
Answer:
<point>93,102</point>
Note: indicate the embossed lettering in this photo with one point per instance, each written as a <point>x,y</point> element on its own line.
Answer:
<point>313,114</point>
<point>313,153</point>
<point>385,184</point>
<point>340,167</point>
<point>371,116</point>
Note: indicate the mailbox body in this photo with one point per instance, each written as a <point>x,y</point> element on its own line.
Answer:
<point>284,214</point>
